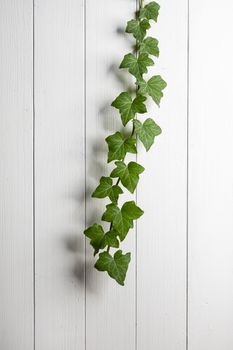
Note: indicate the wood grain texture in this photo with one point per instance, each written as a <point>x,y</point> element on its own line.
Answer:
<point>59,149</point>
<point>110,308</point>
<point>78,46</point>
<point>16,219</point>
<point>161,233</point>
<point>211,176</point>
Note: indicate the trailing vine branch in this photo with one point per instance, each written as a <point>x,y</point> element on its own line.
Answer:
<point>122,219</point>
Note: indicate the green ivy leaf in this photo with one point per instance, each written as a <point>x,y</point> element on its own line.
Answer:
<point>122,219</point>
<point>138,28</point>
<point>105,189</point>
<point>115,266</point>
<point>110,239</point>
<point>96,235</point>
<point>150,11</point>
<point>128,107</point>
<point>128,174</point>
<point>147,132</point>
<point>137,65</point>
<point>150,46</point>
<point>119,146</point>
<point>153,87</point>
<point>99,240</point>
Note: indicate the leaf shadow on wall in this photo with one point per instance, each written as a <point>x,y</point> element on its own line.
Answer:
<point>83,269</point>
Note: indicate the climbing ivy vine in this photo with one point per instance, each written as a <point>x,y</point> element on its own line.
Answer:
<point>126,175</point>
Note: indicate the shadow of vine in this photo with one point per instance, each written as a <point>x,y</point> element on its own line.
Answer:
<point>83,270</point>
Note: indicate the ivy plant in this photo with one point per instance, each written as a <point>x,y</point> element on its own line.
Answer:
<point>126,175</point>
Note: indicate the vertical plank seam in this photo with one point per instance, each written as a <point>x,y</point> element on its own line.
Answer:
<point>33,174</point>
<point>85,170</point>
<point>187,187</point>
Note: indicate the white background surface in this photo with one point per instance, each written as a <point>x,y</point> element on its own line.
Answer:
<point>58,76</point>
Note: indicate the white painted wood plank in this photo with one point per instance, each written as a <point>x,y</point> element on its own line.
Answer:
<point>161,233</point>
<point>59,97</point>
<point>110,308</point>
<point>211,176</point>
<point>16,219</point>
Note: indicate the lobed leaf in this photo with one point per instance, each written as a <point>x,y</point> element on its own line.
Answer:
<point>106,189</point>
<point>99,239</point>
<point>96,235</point>
<point>150,11</point>
<point>128,174</point>
<point>115,266</point>
<point>118,146</point>
<point>122,219</point>
<point>110,239</point>
<point>149,46</point>
<point>137,65</point>
<point>147,132</point>
<point>128,107</point>
<point>138,28</point>
<point>153,87</point>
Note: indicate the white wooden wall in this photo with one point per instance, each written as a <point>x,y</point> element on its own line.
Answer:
<point>58,76</point>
